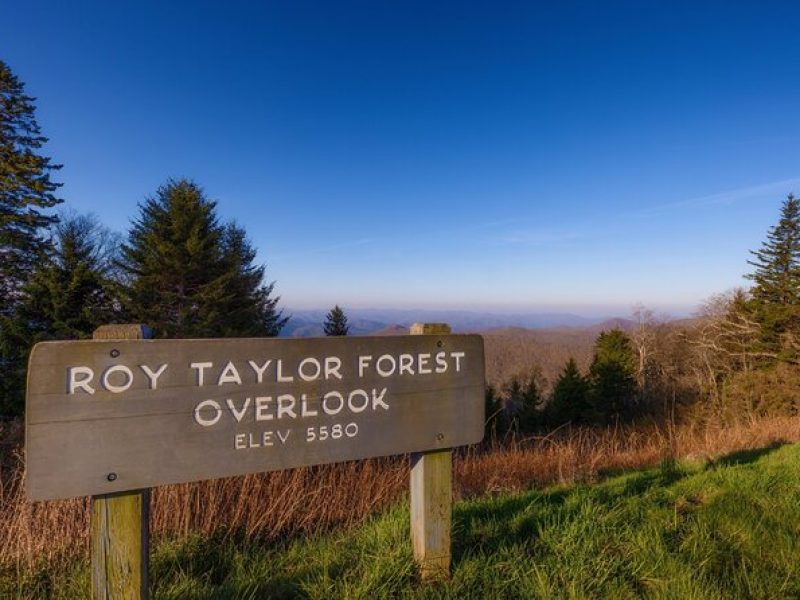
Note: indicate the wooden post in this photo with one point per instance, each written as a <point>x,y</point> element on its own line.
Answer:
<point>431,497</point>
<point>120,523</point>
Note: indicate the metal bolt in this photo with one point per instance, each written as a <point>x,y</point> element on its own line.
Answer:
<point>111,476</point>
<point>439,344</point>
<point>114,353</point>
<point>440,436</point>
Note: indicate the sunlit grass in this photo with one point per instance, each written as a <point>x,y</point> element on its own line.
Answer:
<point>723,529</point>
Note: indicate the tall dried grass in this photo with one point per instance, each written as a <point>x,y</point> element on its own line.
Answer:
<point>274,505</point>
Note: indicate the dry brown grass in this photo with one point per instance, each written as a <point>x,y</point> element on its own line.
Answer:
<point>583,455</point>
<point>274,505</point>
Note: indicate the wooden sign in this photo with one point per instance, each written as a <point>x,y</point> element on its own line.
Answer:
<point>109,416</point>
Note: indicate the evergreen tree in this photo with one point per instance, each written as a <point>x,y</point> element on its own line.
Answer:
<point>613,375</point>
<point>25,189</point>
<point>336,322</point>
<point>253,310</point>
<point>530,414</point>
<point>190,276</point>
<point>776,278</point>
<point>570,402</point>
<point>71,293</point>
<point>522,402</point>
<point>67,297</point>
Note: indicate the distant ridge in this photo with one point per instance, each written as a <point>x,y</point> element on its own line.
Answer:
<point>626,325</point>
<point>392,330</point>
<point>374,321</point>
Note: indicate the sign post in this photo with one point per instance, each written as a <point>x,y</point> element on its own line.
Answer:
<point>431,496</point>
<point>120,522</point>
<point>114,416</point>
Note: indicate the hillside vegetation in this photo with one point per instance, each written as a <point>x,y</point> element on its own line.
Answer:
<point>44,545</point>
<point>725,528</point>
<point>514,351</point>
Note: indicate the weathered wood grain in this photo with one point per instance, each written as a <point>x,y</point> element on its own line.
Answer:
<point>432,496</point>
<point>120,523</point>
<point>431,508</point>
<point>101,443</point>
<point>119,545</point>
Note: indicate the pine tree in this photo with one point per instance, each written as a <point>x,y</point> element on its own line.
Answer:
<point>613,375</point>
<point>67,297</point>
<point>569,402</point>
<point>522,402</point>
<point>776,278</point>
<point>530,414</point>
<point>25,189</point>
<point>252,310</point>
<point>72,293</point>
<point>336,322</point>
<point>190,276</point>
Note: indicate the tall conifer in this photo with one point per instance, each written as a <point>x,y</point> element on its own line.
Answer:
<point>25,188</point>
<point>189,275</point>
<point>26,191</point>
<point>612,375</point>
<point>570,398</point>
<point>776,277</point>
<point>69,294</point>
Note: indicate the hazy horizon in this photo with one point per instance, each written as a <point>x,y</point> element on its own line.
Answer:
<point>596,312</point>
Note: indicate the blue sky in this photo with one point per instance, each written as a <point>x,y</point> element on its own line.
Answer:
<point>513,156</point>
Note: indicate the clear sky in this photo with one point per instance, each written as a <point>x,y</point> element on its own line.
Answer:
<point>524,156</point>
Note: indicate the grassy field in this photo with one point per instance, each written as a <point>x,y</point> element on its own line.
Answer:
<point>696,529</point>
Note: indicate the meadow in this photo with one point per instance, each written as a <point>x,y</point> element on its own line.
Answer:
<point>661,511</point>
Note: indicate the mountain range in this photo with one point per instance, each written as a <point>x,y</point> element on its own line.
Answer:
<point>372,321</point>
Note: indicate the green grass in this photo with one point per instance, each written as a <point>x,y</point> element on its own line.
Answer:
<point>725,530</point>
